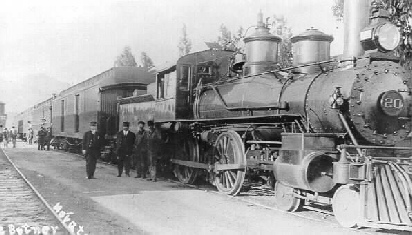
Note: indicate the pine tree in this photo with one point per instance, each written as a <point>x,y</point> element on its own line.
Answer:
<point>281,29</point>
<point>126,58</point>
<point>185,45</point>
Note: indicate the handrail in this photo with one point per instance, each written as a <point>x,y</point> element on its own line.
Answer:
<point>374,147</point>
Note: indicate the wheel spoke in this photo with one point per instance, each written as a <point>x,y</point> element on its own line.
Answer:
<point>230,154</point>
<point>219,148</point>
<point>233,174</point>
<point>224,146</point>
<point>227,143</point>
<point>222,180</point>
<point>228,185</point>
<point>228,175</point>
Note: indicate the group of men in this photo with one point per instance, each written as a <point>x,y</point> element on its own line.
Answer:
<point>8,135</point>
<point>140,148</point>
<point>43,138</point>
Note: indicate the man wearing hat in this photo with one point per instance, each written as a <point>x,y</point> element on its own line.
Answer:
<point>91,149</point>
<point>41,135</point>
<point>125,145</point>
<point>141,151</point>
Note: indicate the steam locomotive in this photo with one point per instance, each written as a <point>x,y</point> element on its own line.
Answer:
<point>326,131</point>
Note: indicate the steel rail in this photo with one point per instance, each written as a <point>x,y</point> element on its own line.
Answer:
<point>37,193</point>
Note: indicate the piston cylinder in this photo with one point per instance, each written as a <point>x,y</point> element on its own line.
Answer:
<point>305,161</point>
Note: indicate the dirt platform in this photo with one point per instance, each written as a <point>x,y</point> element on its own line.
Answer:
<point>112,205</point>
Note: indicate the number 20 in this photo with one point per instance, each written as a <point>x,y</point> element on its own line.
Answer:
<point>393,103</point>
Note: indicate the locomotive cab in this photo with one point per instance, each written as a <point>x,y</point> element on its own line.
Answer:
<point>176,85</point>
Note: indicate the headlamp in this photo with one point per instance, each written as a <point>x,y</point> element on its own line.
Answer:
<point>384,36</point>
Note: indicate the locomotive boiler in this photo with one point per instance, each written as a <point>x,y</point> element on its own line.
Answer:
<point>329,131</point>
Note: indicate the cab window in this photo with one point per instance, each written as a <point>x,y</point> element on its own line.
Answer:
<point>185,74</point>
<point>204,70</point>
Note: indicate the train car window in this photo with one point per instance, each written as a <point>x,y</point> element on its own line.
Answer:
<point>204,70</point>
<point>62,116</point>
<point>76,112</point>
<point>161,87</point>
<point>185,74</point>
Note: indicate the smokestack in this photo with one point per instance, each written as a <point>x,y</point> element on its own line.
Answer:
<point>356,17</point>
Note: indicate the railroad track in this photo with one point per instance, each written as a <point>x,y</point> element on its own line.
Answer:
<point>22,206</point>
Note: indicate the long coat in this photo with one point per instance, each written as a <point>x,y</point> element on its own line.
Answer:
<point>125,144</point>
<point>92,142</point>
<point>41,135</point>
<point>141,141</point>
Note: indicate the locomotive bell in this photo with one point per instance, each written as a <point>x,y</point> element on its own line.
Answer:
<point>261,50</point>
<point>309,47</point>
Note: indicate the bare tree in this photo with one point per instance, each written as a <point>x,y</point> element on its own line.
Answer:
<point>281,29</point>
<point>337,9</point>
<point>238,38</point>
<point>126,58</point>
<point>225,38</point>
<point>185,45</point>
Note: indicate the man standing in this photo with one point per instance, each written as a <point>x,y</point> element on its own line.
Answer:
<point>141,151</point>
<point>41,135</point>
<point>153,140</point>
<point>91,149</point>
<point>5,137</point>
<point>30,136</point>
<point>124,148</point>
<point>48,138</point>
<point>13,136</point>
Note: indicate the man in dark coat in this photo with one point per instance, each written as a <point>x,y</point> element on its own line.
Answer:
<point>153,144</point>
<point>124,149</point>
<point>141,151</point>
<point>48,138</point>
<point>41,136</point>
<point>91,149</point>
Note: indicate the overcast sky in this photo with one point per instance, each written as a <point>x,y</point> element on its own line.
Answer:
<point>73,40</point>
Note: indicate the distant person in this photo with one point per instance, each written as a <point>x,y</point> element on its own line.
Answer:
<point>141,151</point>
<point>91,149</point>
<point>124,149</point>
<point>13,136</point>
<point>41,137</point>
<point>153,142</point>
<point>5,138</point>
<point>30,136</point>
<point>48,138</point>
